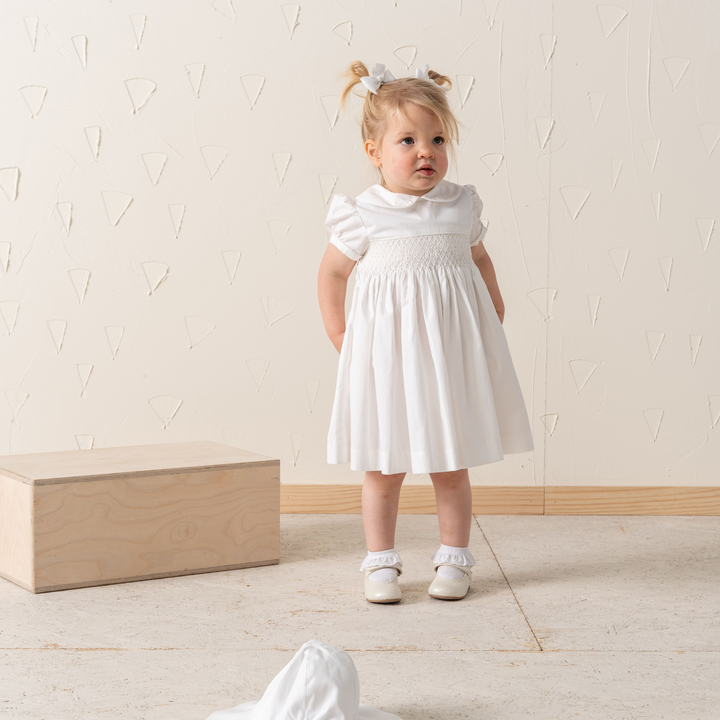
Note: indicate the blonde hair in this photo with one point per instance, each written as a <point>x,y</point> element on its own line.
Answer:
<point>393,96</point>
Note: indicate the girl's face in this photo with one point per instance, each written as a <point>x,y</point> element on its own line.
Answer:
<point>410,144</point>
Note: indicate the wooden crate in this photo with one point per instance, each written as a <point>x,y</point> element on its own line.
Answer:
<point>95,517</point>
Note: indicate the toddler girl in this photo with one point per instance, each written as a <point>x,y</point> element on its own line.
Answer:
<point>425,382</point>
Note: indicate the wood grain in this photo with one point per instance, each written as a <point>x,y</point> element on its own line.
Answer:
<point>96,532</point>
<point>16,537</point>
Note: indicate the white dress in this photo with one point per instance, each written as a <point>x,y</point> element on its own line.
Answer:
<point>425,379</point>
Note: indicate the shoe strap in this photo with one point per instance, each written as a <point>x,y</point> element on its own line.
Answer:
<point>397,566</point>
<point>464,568</point>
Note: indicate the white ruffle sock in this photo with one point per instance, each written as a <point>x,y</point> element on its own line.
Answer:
<point>382,557</point>
<point>456,556</point>
<point>321,681</point>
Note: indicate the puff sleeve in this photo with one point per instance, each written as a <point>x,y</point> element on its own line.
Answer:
<point>479,228</point>
<point>347,230</point>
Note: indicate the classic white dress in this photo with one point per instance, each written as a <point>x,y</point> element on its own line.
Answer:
<point>425,379</point>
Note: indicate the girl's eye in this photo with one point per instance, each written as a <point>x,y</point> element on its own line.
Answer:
<point>407,138</point>
<point>441,139</point>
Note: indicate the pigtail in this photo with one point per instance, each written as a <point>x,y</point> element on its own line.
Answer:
<point>353,74</point>
<point>440,79</point>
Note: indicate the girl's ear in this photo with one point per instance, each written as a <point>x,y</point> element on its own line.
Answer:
<point>372,152</point>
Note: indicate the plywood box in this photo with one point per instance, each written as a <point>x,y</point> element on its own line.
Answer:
<point>95,517</point>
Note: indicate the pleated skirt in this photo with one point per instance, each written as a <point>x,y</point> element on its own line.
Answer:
<point>425,380</point>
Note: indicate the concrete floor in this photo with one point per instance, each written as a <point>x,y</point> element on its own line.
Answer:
<point>588,617</point>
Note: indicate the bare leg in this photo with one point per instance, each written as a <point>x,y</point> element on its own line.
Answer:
<point>380,498</point>
<point>454,506</point>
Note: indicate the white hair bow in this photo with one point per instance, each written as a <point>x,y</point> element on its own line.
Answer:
<point>379,76</point>
<point>423,75</point>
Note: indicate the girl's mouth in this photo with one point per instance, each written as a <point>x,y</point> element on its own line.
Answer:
<point>426,171</point>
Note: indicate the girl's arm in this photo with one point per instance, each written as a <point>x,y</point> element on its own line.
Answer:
<point>335,269</point>
<point>487,270</point>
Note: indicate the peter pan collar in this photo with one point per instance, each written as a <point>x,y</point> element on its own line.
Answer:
<point>444,191</point>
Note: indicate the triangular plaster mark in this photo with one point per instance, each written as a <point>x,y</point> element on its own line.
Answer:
<point>675,68</point>
<point>9,312</point>
<point>140,90</point>
<point>177,213</point>
<point>80,44</point>
<point>155,274</point>
<point>34,96</point>
<point>92,134</point>
<point>464,85</point>
<point>596,102</point>
<point>195,72</point>
<point>327,185</point>
<point>198,329</point>
<point>165,407</point>
<point>252,85</point>
<point>278,231</point>
<point>490,11</point>
<point>65,211</point>
<point>31,25</point>
<point>116,203</point>
<point>311,388</point>
<point>550,422</point>
<point>213,155</point>
<point>57,330</point>
<point>710,134</point>
<point>9,180</point>
<point>666,270</point>
<point>656,200</point>
<point>230,436</point>
<point>154,164</point>
<point>406,54</point>
<point>619,257</point>
<point>610,17</point>
<point>225,8</point>
<point>542,298</point>
<point>257,368</point>
<point>593,306</point>
<point>543,128</point>
<point>138,25</point>
<point>281,161</point>
<point>581,371</point>
<point>705,228</point>
<point>16,399</point>
<point>695,341</point>
<point>651,148</point>
<point>615,165</point>
<point>331,108</point>
<point>492,161</point>
<point>574,197</point>
<point>344,30</point>
<point>291,13</point>
<point>84,442</point>
<point>231,258</point>
<point>547,43</point>
<point>654,341</point>
<point>296,443</point>
<point>714,404</point>
<point>275,308</point>
<point>4,257</point>
<point>84,371</point>
<point>80,279</point>
<point>653,418</point>
<point>114,334</point>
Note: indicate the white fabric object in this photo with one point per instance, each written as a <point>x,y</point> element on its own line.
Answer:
<point>425,380</point>
<point>450,572</point>
<point>319,683</point>
<point>377,77</point>
<point>453,555</point>
<point>381,558</point>
<point>383,575</point>
<point>423,75</point>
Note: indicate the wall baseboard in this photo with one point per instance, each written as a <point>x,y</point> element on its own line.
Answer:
<point>513,500</point>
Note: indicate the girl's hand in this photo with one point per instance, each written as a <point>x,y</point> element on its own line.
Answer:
<point>337,341</point>
<point>500,309</point>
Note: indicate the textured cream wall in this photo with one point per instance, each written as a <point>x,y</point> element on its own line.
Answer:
<point>590,131</point>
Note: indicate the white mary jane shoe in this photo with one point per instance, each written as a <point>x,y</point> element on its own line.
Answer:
<point>446,589</point>
<point>383,592</point>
